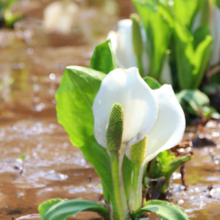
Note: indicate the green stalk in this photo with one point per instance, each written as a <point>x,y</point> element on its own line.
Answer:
<point>140,66</point>
<point>122,188</point>
<point>114,142</point>
<point>137,186</point>
<point>137,153</point>
<point>115,177</point>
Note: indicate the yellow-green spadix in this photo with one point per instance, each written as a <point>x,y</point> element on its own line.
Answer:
<point>155,113</point>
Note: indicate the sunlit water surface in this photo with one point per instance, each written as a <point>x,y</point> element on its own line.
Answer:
<point>31,66</point>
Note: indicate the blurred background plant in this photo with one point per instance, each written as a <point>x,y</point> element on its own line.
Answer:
<point>7,18</point>
<point>176,42</point>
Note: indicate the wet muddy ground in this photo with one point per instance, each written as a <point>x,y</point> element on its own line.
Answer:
<point>31,66</point>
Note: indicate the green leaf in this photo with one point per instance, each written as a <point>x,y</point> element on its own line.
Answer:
<point>99,158</point>
<point>9,3</point>
<point>166,157</point>
<point>164,165</point>
<point>153,83</point>
<point>154,22</point>
<point>10,18</point>
<point>137,40</point>
<point>200,61</point>
<point>75,96</point>
<point>200,35</point>
<point>165,210</point>
<point>58,209</point>
<point>194,99</point>
<point>217,3</point>
<point>182,10</point>
<point>210,112</point>
<point>103,58</point>
<point>171,168</point>
<point>185,10</point>
<point>192,55</point>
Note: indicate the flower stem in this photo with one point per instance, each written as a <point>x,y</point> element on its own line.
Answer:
<point>140,66</point>
<point>116,184</point>
<point>137,186</point>
<point>122,188</point>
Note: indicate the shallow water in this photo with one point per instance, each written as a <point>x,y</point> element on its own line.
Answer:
<point>31,66</point>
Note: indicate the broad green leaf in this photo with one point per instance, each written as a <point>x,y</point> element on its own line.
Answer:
<point>99,158</point>
<point>183,50</point>
<point>200,35</point>
<point>78,88</point>
<point>191,62</point>
<point>153,83</point>
<point>165,210</point>
<point>182,10</point>
<point>194,99</point>
<point>157,44</point>
<point>217,3</point>
<point>45,206</point>
<point>58,209</point>
<point>200,61</point>
<point>75,96</point>
<point>103,58</point>
<point>185,10</point>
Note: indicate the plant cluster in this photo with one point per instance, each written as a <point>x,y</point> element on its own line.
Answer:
<point>120,124</point>
<point>175,42</point>
<point>124,121</point>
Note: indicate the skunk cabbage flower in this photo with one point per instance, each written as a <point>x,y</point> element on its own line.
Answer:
<point>122,45</point>
<point>59,16</point>
<point>123,48</point>
<point>155,113</point>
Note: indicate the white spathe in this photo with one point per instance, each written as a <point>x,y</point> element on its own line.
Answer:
<point>137,99</point>
<point>123,48</point>
<point>170,125</point>
<point>59,16</point>
<point>156,113</point>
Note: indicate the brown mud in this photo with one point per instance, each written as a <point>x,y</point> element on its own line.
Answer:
<point>31,66</point>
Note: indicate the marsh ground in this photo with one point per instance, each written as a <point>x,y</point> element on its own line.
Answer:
<point>31,65</point>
